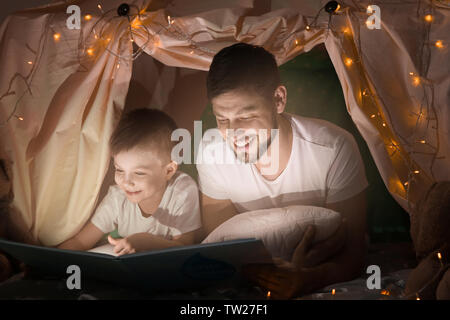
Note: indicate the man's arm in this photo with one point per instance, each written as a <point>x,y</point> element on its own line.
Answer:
<point>349,262</point>
<point>214,213</point>
<point>294,279</point>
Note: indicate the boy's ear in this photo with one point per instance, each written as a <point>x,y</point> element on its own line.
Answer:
<point>171,168</point>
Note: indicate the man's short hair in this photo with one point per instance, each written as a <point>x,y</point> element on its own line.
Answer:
<point>143,128</point>
<point>243,66</point>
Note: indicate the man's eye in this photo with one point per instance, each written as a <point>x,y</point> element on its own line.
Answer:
<point>119,171</point>
<point>247,118</point>
<point>140,173</point>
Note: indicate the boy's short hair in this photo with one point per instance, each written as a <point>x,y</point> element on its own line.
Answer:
<point>143,127</point>
<point>243,66</point>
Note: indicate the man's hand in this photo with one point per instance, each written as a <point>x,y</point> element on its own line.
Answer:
<point>286,279</point>
<point>121,245</point>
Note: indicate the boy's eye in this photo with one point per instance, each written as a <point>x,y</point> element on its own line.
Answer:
<point>247,118</point>
<point>140,173</point>
<point>118,170</point>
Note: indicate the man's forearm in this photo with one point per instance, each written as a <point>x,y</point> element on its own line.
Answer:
<point>344,267</point>
<point>146,242</point>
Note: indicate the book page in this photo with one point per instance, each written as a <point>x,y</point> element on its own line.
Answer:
<point>106,249</point>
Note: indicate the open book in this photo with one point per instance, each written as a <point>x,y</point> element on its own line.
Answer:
<point>105,249</point>
<point>191,266</point>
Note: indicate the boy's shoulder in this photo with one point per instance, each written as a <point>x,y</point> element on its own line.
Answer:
<point>182,181</point>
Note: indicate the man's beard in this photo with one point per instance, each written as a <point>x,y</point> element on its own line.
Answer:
<point>256,149</point>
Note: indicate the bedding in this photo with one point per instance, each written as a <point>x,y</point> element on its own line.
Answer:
<point>280,229</point>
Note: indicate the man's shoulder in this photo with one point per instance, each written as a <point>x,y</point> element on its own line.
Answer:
<point>318,132</point>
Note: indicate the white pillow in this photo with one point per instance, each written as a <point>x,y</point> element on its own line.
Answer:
<point>280,229</point>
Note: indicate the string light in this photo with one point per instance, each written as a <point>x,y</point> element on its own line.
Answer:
<point>428,18</point>
<point>439,255</point>
<point>372,116</point>
<point>416,171</point>
<point>333,292</point>
<point>56,36</point>
<point>90,51</point>
<point>385,292</point>
<point>87,17</point>
<point>268,295</point>
<point>348,62</point>
<point>296,42</point>
<point>308,28</point>
<point>30,62</point>
<point>416,81</point>
<point>439,44</point>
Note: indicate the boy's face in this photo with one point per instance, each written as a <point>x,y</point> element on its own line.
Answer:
<point>140,173</point>
<point>246,113</point>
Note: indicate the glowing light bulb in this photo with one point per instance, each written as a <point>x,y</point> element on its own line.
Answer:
<point>90,51</point>
<point>296,42</point>
<point>56,36</point>
<point>406,183</point>
<point>416,81</point>
<point>439,44</point>
<point>346,30</point>
<point>307,27</point>
<point>384,124</point>
<point>439,255</point>
<point>20,118</point>
<point>348,62</point>
<point>30,62</point>
<point>416,171</point>
<point>268,295</point>
<point>385,292</point>
<point>333,292</point>
<point>87,17</point>
<point>411,73</point>
<point>372,116</point>
<point>428,18</point>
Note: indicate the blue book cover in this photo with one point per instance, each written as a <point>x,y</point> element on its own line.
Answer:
<point>190,266</point>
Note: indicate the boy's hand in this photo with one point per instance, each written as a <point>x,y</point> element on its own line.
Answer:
<point>121,245</point>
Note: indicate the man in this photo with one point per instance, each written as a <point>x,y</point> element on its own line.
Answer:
<point>311,161</point>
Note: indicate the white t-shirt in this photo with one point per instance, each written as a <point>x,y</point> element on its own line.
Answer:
<point>324,167</point>
<point>178,211</point>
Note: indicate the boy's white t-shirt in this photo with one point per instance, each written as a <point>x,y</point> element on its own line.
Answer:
<point>178,211</point>
<point>325,166</point>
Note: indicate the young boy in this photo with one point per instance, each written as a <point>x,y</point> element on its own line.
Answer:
<point>152,205</point>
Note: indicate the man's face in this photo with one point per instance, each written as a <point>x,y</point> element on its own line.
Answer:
<point>140,173</point>
<point>251,118</point>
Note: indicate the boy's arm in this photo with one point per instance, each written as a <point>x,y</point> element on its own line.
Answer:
<point>84,240</point>
<point>145,241</point>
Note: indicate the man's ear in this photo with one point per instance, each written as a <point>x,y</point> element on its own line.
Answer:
<point>171,168</point>
<point>280,98</point>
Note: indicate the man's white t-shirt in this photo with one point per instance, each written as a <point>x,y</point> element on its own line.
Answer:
<point>178,211</point>
<point>325,166</point>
